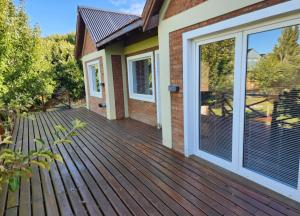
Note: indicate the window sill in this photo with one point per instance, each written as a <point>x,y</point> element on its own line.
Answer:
<point>144,98</point>
<point>97,95</point>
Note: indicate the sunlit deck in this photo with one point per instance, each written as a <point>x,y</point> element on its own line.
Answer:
<point>121,168</point>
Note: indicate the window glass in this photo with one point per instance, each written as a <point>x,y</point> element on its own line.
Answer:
<point>142,77</point>
<point>272,106</point>
<point>216,97</point>
<point>94,70</point>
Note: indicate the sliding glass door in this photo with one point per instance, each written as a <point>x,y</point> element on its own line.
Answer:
<point>248,104</point>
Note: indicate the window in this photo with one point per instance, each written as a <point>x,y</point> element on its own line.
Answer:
<point>140,77</point>
<point>94,78</point>
<point>272,107</point>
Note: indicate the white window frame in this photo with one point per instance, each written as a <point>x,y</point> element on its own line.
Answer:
<point>90,76</point>
<point>132,95</point>
<point>191,42</point>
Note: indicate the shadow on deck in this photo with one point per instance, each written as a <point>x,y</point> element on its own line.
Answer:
<point>121,168</point>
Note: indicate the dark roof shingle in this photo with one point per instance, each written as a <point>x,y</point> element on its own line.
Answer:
<point>102,23</point>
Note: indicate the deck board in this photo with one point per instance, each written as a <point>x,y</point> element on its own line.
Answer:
<point>121,168</point>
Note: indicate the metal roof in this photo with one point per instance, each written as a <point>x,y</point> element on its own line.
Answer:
<point>103,23</point>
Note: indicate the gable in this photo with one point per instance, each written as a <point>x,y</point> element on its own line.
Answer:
<point>88,44</point>
<point>178,6</point>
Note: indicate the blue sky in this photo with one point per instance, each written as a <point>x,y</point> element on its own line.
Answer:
<point>59,16</point>
<point>264,42</point>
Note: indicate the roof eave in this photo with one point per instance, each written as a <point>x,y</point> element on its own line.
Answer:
<point>150,15</point>
<point>79,37</point>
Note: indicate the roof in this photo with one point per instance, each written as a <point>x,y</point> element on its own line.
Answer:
<point>102,24</point>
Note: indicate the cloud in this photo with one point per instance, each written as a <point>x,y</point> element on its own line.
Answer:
<point>118,2</point>
<point>134,8</point>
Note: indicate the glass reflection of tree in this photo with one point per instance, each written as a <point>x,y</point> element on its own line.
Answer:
<point>218,59</point>
<point>277,76</point>
<point>97,77</point>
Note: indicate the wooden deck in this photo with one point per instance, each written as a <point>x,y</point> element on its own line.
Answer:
<point>121,168</point>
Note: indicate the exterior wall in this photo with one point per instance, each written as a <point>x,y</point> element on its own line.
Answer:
<point>116,61</point>
<point>95,101</point>
<point>142,45</point>
<point>170,42</point>
<point>88,44</point>
<point>177,6</point>
<point>141,110</point>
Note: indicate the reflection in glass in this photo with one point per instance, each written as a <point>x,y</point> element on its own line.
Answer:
<point>95,77</point>
<point>272,109</point>
<point>142,76</point>
<point>216,97</point>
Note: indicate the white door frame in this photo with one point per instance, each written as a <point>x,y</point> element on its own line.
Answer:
<point>191,82</point>
<point>231,165</point>
<point>157,88</point>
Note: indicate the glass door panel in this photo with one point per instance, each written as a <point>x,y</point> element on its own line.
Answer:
<point>272,106</point>
<point>216,97</point>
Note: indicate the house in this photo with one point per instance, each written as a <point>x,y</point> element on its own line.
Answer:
<point>182,66</point>
<point>253,58</point>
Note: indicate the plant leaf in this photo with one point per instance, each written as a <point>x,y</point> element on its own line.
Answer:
<point>58,158</point>
<point>13,183</point>
<point>7,140</point>
<point>39,141</point>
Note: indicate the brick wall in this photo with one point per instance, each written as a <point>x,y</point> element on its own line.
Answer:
<point>142,111</point>
<point>95,101</point>
<point>178,6</point>
<point>89,45</point>
<point>118,85</point>
<point>177,71</point>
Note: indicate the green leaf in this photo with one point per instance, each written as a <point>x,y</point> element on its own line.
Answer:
<point>73,133</point>
<point>77,124</point>
<point>14,183</point>
<point>7,140</point>
<point>60,128</point>
<point>39,141</point>
<point>62,141</point>
<point>42,164</point>
<point>58,158</point>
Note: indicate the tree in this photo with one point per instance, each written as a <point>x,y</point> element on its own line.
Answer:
<point>219,58</point>
<point>23,69</point>
<point>280,68</point>
<point>65,69</point>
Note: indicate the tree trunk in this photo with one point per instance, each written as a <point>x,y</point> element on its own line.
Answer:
<point>69,100</point>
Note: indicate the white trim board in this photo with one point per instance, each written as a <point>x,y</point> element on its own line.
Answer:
<point>282,14</point>
<point>157,88</point>
<point>282,8</point>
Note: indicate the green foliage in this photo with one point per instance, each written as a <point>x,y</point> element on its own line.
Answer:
<point>13,163</point>
<point>23,69</point>
<point>218,57</point>
<point>65,69</point>
<point>33,66</point>
<point>280,68</point>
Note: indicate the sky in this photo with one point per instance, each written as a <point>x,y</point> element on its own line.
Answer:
<point>264,42</point>
<point>59,16</point>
